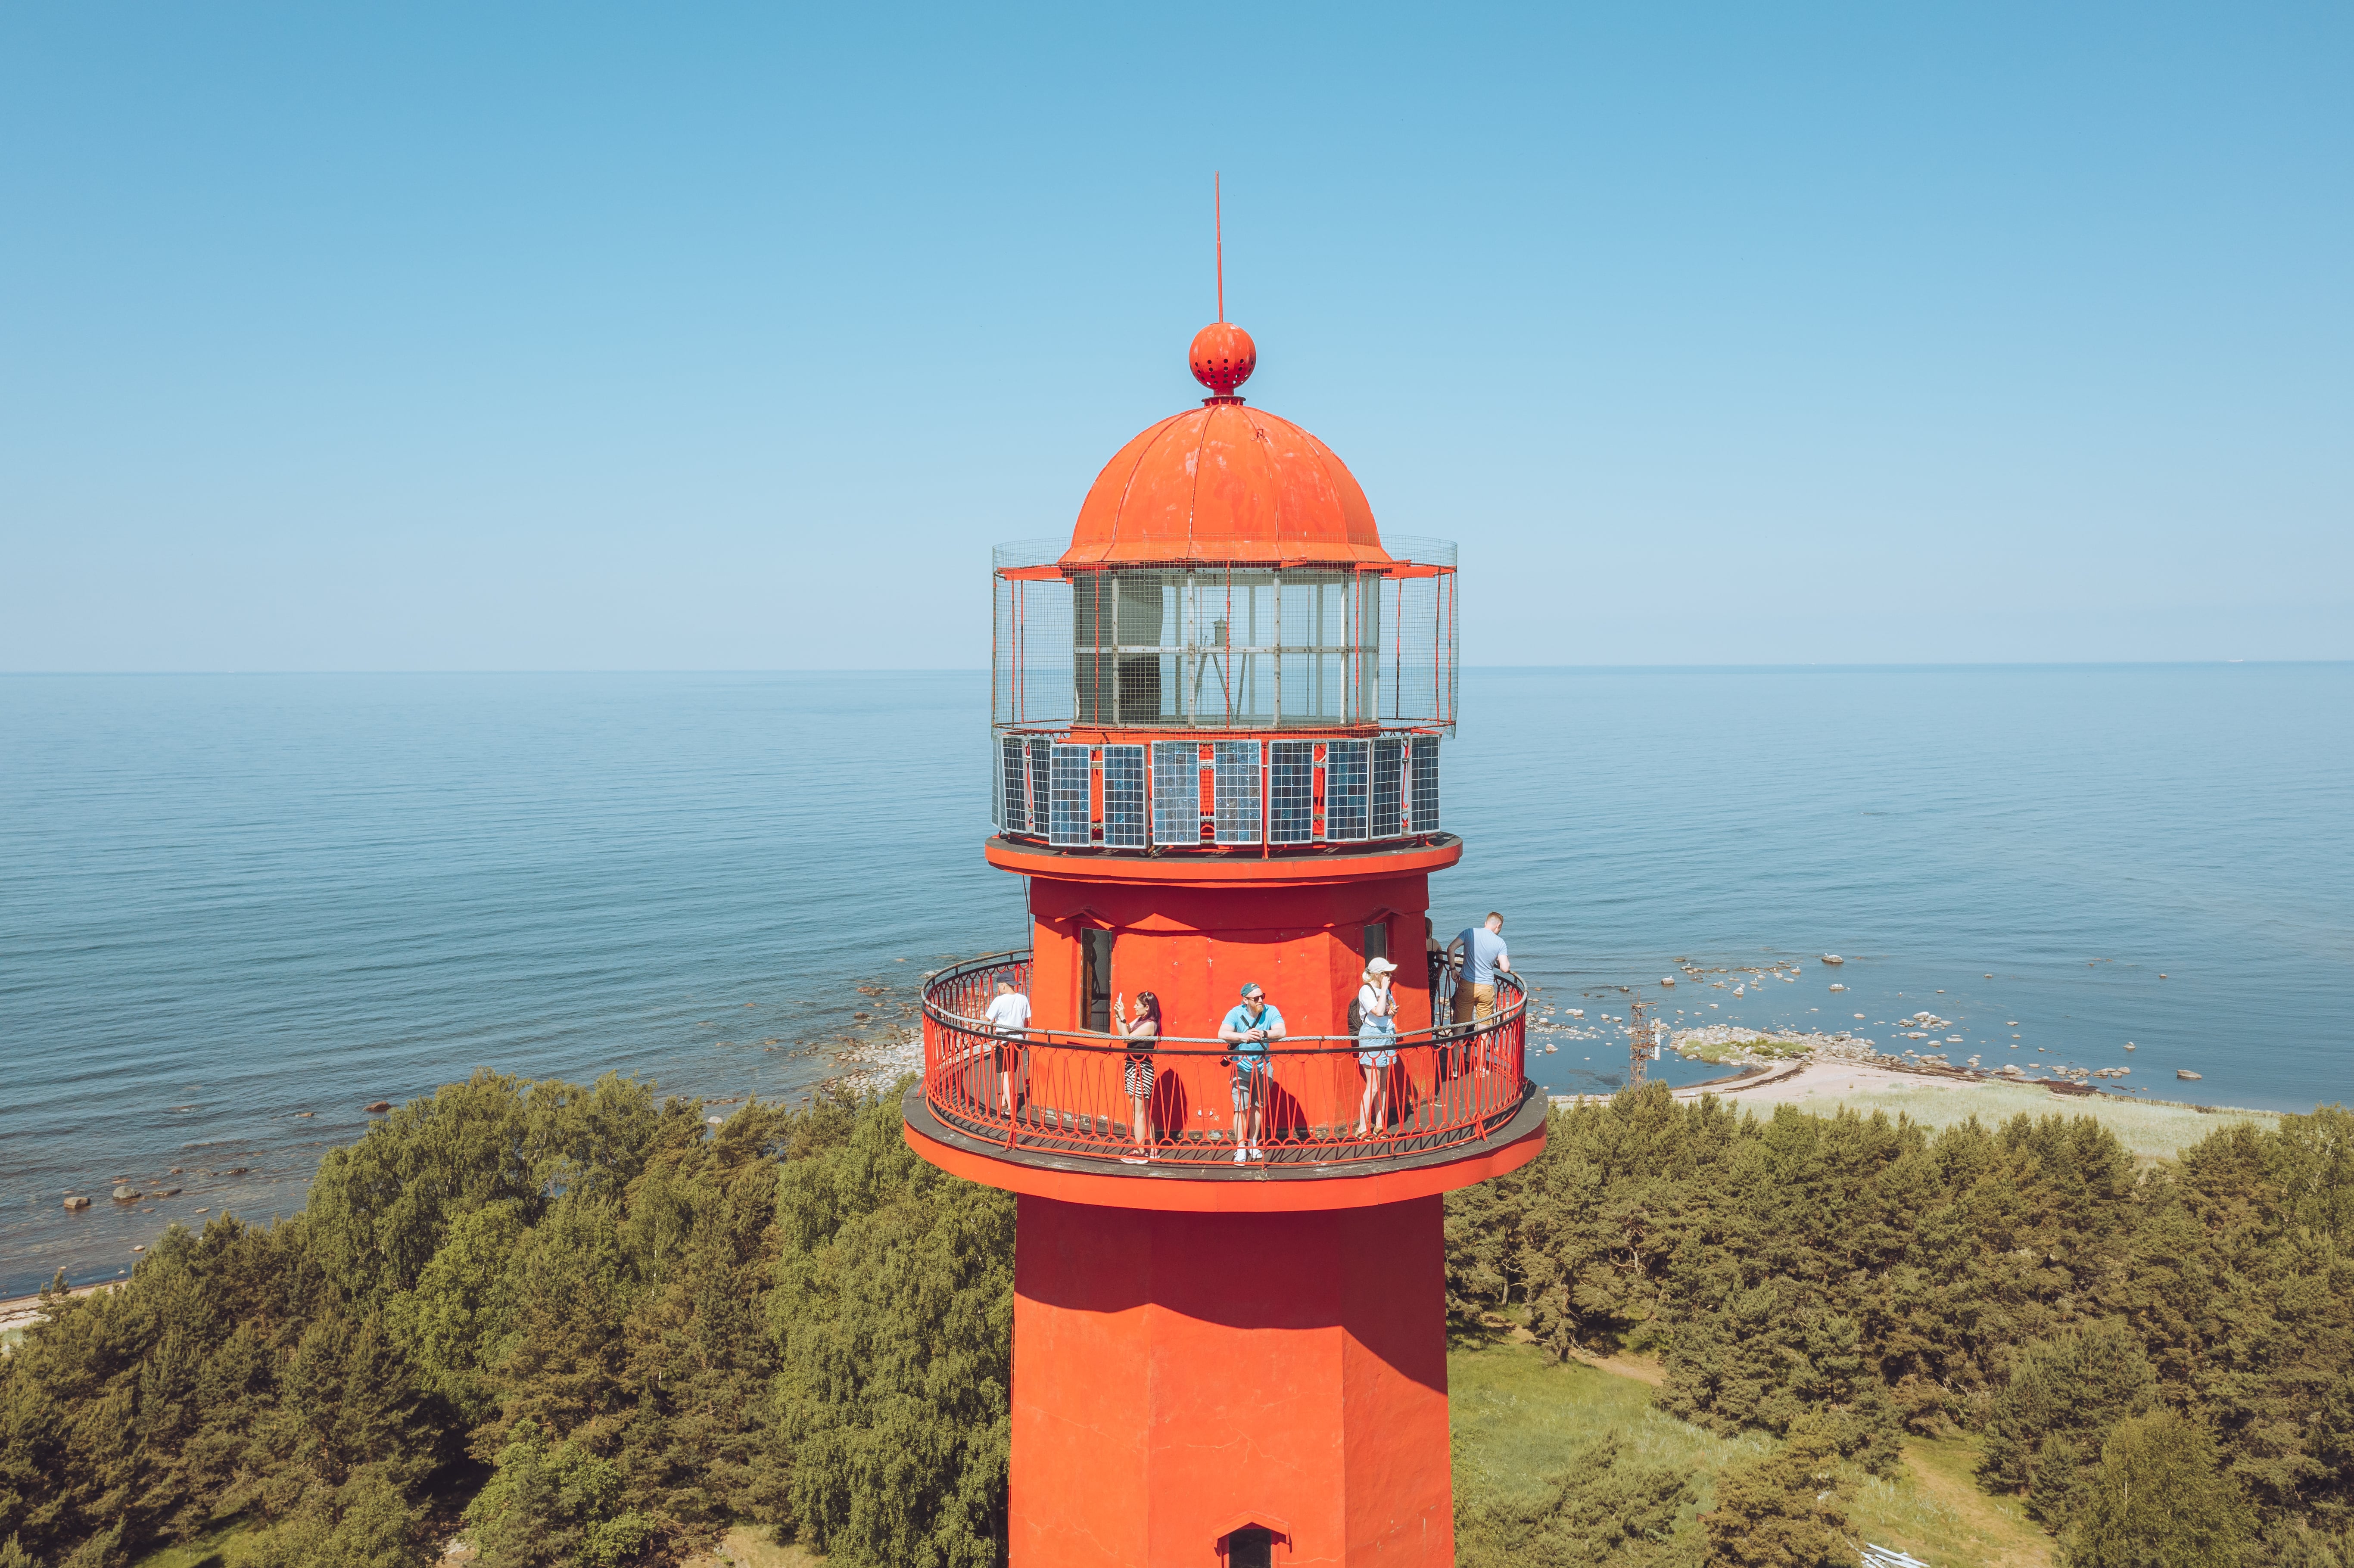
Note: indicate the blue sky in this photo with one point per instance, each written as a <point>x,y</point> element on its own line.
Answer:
<point>584,337</point>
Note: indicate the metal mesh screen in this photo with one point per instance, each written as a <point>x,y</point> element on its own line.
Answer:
<point>1123,796</point>
<point>1420,690</point>
<point>1291,793</point>
<point>1066,811</point>
<point>1346,774</point>
<point>1389,788</point>
<point>1422,810</point>
<point>1029,638</point>
<point>1176,792</point>
<point>1236,778</point>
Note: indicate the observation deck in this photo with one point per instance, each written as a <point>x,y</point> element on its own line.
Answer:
<point>1458,1108</point>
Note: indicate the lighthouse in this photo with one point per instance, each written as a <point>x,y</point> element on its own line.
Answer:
<point>1218,710</point>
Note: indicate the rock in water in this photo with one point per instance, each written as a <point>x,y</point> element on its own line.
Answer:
<point>2185,1074</point>
<point>379,1107</point>
<point>1833,960</point>
<point>126,1194</point>
<point>77,1203</point>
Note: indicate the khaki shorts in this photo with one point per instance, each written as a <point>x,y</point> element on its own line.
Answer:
<point>1474,1003</point>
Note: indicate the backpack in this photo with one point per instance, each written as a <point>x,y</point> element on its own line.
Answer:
<point>1356,1015</point>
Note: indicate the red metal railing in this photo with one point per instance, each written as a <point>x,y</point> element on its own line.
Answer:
<point>1067,1092</point>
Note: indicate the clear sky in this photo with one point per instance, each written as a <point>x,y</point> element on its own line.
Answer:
<point>412,337</point>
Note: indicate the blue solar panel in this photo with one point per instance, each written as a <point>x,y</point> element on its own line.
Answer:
<point>1389,788</point>
<point>1292,791</point>
<point>1066,811</point>
<point>1347,775</point>
<point>1176,792</point>
<point>1012,800</point>
<point>1036,785</point>
<point>1236,762</point>
<point>1123,807</point>
<point>1424,804</point>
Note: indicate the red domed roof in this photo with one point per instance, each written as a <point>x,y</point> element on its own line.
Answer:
<point>1226,482</point>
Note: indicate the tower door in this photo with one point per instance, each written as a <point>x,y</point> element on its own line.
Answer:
<point>1253,1546</point>
<point>1095,980</point>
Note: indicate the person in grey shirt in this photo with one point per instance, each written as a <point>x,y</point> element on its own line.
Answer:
<point>1480,956</point>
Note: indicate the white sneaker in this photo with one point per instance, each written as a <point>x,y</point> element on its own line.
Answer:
<point>1256,1152</point>
<point>1241,1155</point>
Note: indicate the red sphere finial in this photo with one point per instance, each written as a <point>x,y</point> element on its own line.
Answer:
<point>1222,357</point>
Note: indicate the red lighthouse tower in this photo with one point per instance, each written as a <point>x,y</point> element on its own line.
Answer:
<point>1218,717</point>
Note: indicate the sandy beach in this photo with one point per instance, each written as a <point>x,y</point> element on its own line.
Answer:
<point>2151,1130</point>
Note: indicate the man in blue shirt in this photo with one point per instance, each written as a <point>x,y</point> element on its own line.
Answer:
<point>1482,956</point>
<point>1248,1028</point>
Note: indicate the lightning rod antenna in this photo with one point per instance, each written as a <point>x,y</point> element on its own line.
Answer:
<point>1218,223</point>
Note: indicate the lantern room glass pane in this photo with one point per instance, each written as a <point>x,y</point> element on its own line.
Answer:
<point>1217,647</point>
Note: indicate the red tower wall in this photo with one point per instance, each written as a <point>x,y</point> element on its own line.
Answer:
<point>1181,1375</point>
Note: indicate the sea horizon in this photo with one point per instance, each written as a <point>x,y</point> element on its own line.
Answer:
<point>235,898</point>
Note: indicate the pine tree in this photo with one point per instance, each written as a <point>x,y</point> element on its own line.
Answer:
<point>893,1313</point>
<point>2158,1499</point>
<point>2044,1435</point>
<point>1781,1510</point>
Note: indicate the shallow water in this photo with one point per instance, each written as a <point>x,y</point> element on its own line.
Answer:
<point>228,900</point>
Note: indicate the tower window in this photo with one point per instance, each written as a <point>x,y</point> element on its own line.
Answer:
<point>1377,940</point>
<point>1095,978</point>
<point>1253,1546</point>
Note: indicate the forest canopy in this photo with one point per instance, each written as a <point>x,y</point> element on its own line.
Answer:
<point>587,1327</point>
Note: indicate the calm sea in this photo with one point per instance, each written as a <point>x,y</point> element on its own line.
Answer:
<point>228,901</point>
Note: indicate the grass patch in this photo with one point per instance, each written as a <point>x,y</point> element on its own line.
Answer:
<point>1937,1506</point>
<point>1716,1055</point>
<point>754,1546</point>
<point>1518,1417</point>
<point>209,1550</point>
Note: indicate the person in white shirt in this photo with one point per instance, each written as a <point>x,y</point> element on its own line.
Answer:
<point>1376,1040</point>
<point>1008,1015</point>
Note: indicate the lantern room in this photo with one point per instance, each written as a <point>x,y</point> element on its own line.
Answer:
<point>1225,583</point>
